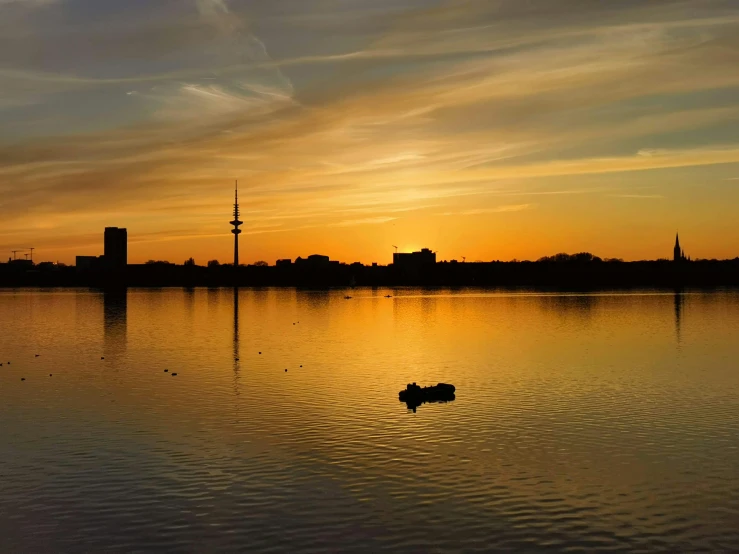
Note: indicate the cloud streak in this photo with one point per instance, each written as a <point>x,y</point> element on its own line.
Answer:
<point>495,210</point>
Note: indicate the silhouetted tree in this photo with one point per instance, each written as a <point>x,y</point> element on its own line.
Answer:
<point>158,262</point>
<point>190,262</point>
<point>261,263</point>
<point>580,257</point>
<point>214,263</point>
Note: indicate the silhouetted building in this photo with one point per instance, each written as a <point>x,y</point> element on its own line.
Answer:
<point>25,264</point>
<point>284,262</point>
<point>236,222</point>
<point>88,263</point>
<point>315,261</point>
<point>678,254</point>
<point>116,248</point>
<point>416,267</point>
<point>414,260</point>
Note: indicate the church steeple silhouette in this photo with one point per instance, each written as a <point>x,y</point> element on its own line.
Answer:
<point>678,254</point>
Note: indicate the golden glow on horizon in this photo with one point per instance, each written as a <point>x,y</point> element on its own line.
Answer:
<point>477,130</point>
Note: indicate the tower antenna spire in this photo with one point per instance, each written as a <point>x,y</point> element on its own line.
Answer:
<point>236,222</point>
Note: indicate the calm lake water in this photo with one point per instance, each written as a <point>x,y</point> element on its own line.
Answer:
<point>601,422</point>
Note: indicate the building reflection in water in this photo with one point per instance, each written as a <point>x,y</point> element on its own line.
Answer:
<point>236,340</point>
<point>312,301</point>
<point>679,300</point>
<point>115,308</point>
<point>580,306</point>
<point>189,294</point>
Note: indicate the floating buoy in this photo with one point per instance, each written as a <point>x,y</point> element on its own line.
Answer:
<point>102,357</point>
<point>49,374</point>
<point>301,366</point>
<point>37,355</point>
<point>166,371</point>
<point>23,378</point>
<point>260,352</point>
<point>174,374</point>
<point>285,371</point>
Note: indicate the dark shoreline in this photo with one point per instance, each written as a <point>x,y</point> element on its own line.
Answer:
<point>588,275</point>
<point>534,290</point>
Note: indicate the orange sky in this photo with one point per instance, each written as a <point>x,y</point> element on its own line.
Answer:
<point>485,130</point>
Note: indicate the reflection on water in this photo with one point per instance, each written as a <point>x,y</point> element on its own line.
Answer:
<point>679,300</point>
<point>570,305</point>
<point>579,423</point>
<point>237,359</point>
<point>414,403</point>
<point>115,305</point>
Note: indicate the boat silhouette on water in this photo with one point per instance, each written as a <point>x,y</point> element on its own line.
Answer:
<point>414,395</point>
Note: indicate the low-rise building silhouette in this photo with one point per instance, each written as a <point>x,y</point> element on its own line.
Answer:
<point>414,267</point>
<point>414,260</point>
<point>315,261</point>
<point>88,263</point>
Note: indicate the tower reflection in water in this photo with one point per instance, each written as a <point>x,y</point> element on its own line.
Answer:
<point>679,301</point>
<point>236,340</point>
<point>115,308</point>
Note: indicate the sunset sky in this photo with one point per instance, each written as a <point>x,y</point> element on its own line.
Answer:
<point>489,129</point>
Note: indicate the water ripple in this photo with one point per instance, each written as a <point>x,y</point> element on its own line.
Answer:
<point>583,423</point>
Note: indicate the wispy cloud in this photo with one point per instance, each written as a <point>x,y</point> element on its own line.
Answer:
<point>495,210</point>
<point>644,196</point>
<point>364,221</point>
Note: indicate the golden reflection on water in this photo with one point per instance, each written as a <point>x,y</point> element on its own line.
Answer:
<point>584,413</point>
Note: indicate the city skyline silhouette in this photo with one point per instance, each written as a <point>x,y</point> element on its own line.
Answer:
<point>115,256</point>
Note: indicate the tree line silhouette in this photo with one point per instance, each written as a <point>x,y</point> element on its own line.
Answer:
<point>580,270</point>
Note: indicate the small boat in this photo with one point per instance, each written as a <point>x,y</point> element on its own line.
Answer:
<point>413,395</point>
<point>347,297</point>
